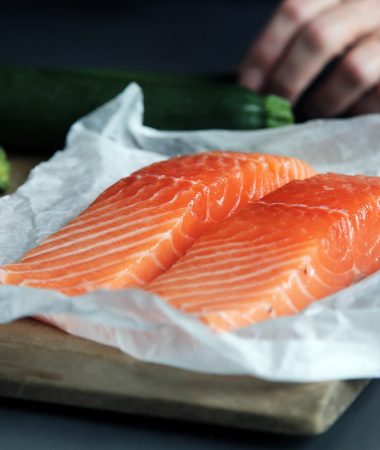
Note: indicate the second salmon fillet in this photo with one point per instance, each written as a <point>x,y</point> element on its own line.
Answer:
<point>141,225</point>
<point>299,244</point>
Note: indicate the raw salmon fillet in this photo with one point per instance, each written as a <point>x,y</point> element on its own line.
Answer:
<point>140,226</point>
<point>300,243</point>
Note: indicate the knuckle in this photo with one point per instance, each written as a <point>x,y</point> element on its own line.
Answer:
<point>354,72</point>
<point>261,57</point>
<point>318,37</point>
<point>284,89</point>
<point>294,10</point>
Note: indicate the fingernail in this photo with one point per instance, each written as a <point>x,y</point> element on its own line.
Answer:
<point>252,78</point>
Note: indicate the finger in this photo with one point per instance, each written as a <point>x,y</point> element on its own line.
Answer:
<point>369,104</point>
<point>266,50</point>
<point>323,39</point>
<point>356,74</point>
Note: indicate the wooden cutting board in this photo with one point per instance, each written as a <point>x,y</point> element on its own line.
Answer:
<point>39,362</point>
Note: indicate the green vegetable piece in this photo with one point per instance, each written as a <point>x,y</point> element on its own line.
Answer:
<point>5,172</point>
<point>37,105</point>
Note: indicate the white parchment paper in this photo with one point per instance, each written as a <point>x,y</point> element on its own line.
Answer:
<point>336,338</point>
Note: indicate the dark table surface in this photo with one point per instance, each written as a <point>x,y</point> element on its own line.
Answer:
<point>187,36</point>
<point>32,426</point>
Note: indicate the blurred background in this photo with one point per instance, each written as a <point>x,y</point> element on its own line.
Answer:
<point>198,36</point>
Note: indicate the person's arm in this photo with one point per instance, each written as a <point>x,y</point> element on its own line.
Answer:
<point>302,38</point>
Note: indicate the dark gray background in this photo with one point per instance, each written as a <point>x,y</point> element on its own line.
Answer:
<point>184,36</point>
<point>193,36</point>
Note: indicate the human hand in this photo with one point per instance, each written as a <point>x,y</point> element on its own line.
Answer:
<point>302,38</point>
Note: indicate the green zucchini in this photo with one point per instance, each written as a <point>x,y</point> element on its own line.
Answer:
<point>37,106</point>
<point>5,172</point>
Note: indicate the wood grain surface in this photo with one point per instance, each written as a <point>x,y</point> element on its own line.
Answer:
<point>39,362</point>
